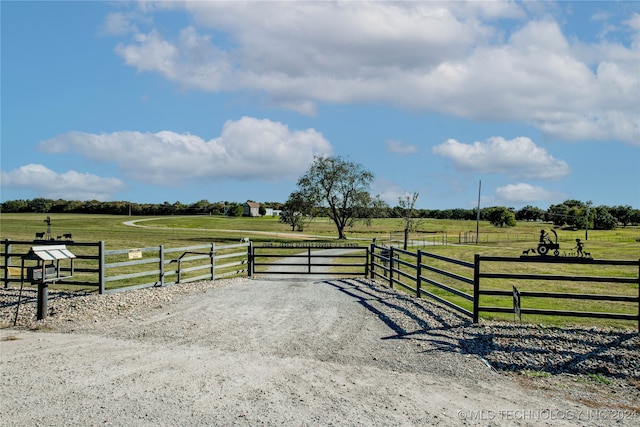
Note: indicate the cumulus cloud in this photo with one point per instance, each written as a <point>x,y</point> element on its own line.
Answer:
<point>478,60</point>
<point>399,147</point>
<point>69,185</point>
<point>389,191</point>
<point>247,149</point>
<point>518,158</point>
<point>119,23</point>
<point>522,193</point>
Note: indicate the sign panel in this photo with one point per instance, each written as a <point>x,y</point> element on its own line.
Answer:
<point>135,253</point>
<point>319,245</point>
<point>516,303</point>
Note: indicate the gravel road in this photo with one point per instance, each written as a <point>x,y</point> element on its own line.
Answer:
<point>286,351</point>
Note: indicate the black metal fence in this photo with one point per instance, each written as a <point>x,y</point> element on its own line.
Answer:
<point>463,286</point>
<point>409,270</point>
<point>487,261</point>
<point>306,258</point>
<point>468,289</point>
<point>85,271</point>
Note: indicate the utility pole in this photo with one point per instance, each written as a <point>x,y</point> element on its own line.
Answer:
<point>586,226</point>
<point>478,213</point>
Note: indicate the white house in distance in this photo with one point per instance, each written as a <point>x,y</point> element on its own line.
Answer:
<point>251,209</point>
<point>272,212</point>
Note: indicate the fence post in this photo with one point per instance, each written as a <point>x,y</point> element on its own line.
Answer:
<point>366,262</point>
<point>391,266</point>
<point>161,265</point>
<point>250,254</point>
<point>309,260</point>
<point>476,287</point>
<point>212,254</point>
<point>372,260</point>
<point>418,274</point>
<point>101,264</point>
<point>7,261</point>
<point>638,295</point>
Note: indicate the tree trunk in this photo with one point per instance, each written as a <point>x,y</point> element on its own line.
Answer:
<point>341,235</point>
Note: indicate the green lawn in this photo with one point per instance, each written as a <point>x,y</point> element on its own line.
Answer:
<point>175,232</point>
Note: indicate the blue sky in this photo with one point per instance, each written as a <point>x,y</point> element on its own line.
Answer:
<point>230,101</point>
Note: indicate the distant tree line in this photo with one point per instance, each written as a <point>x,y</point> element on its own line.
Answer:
<point>570,214</point>
<point>202,207</point>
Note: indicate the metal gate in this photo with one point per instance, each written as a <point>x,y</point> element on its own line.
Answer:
<point>305,258</point>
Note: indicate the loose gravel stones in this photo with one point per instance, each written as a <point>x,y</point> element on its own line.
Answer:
<point>595,356</point>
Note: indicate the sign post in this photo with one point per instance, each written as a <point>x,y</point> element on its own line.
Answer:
<point>516,304</point>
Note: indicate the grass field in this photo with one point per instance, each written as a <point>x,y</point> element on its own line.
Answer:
<point>183,230</point>
<point>174,232</point>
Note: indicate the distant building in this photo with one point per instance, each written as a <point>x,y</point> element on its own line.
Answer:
<point>272,212</point>
<point>251,209</point>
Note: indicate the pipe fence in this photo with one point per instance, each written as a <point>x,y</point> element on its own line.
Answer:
<point>467,288</point>
<point>135,268</point>
<point>580,287</point>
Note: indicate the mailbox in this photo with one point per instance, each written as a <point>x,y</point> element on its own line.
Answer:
<point>47,271</point>
<point>35,273</point>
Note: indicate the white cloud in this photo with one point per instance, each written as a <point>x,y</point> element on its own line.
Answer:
<point>455,57</point>
<point>522,193</point>
<point>388,191</point>
<point>119,23</point>
<point>518,158</point>
<point>633,23</point>
<point>399,147</point>
<point>247,149</point>
<point>69,185</point>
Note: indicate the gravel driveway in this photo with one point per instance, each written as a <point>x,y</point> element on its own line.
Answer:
<point>286,351</point>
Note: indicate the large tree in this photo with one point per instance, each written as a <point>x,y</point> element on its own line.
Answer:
<point>603,220</point>
<point>407,205</point>
<point>409,214</point>
<point>529,213</point>
<point>341,187</point>
<point>297,211</point>
<point>500,216</point>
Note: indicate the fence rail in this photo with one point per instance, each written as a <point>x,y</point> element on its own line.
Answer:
<point>309,259</point>
<point>137,268</point>
<point>388,259</point>
<point>557,295</point>
<point>462,286</point>
<point>86,264</point>
<point>391,264</point>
